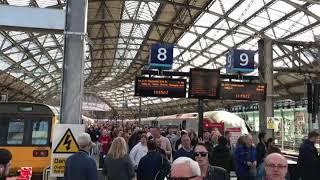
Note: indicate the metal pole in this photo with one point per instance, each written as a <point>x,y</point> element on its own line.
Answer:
<point>140,110</point>
<point>200,123</point>
<point>282,133</point>
<point>73,64</point>
<point>266,74</point>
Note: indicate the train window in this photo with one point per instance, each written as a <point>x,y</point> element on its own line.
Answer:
<point>40,132</point>
<point>15,132</point>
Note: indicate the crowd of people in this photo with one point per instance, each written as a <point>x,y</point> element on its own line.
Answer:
<point>130,151</point>
<point>151,153</point>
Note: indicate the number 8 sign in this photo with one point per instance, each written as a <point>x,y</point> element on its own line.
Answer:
<point>240,61</point>
<point>161,56</point>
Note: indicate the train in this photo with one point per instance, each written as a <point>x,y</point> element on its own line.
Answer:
<point>190,120</point>
<point>26,131</point>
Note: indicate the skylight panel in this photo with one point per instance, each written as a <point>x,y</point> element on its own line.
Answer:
<point>196,46</point>
<point>126,29</point>
<point>198,30</point>
<point>19,2</point>
<point>215,7</point>
<point>302,19</point>
<point>278,32</point>
<point>28,63</point>
<point>246,9</point>
<point>43,60</point>
<point>3,64</point>
<point>46,3</point>
<point>17,57</point>
<point>6,44</point>
<point>186,68</point>
<point>16,75</point>
<point>215,34</point>
<point>274,14</point>
<point>315,9</point>
<point>199,61</point>
<point>282,6</point>
<point>206,20</point>
<point>227,4</point>
<point>187,39</point>
<point>306,36</point>
<point>289,26</point>
<point>258,23</point>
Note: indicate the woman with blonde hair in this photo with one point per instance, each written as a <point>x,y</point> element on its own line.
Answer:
<point>117,164</point>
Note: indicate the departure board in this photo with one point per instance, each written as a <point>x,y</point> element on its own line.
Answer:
<point>242,91</point>
<point>204,83</point>
<point>160,87</point>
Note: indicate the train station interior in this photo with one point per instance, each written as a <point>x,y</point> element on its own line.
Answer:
<point>92,61</point>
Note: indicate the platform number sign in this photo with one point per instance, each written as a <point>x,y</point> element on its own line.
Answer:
<point>238,60</point>
<point>161,56</point>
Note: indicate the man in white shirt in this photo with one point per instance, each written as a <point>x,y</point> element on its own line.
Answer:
<point>138,151</point>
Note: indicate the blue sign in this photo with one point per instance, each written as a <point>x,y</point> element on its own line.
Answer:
<point>161,56</point>
<point>240,61</point>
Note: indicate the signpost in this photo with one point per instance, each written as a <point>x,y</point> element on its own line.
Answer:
<point>160,87</point>
<point>239,60</point>
<point>64,144</point>
<point>161,56</point>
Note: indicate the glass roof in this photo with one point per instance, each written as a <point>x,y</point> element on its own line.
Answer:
<point>202,31</point>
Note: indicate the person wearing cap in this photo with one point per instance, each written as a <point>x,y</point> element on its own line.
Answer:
<point>5,163</point>
<point>80,165</point>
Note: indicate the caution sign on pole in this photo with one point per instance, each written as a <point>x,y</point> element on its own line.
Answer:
<point>64,144</point>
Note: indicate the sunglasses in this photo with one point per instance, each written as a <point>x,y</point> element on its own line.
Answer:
<point>202,154</point>
<point>182,178</point>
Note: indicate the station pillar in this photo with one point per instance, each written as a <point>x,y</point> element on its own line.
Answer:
<point>266,76</point>
<point>73,61</point>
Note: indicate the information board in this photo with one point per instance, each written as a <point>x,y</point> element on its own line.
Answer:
<point>242,91</point>
<point>160,87</point>
<point>204,83</point>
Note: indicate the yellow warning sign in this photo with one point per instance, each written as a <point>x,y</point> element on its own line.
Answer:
<point>67,144</point>
<point>58,165</point>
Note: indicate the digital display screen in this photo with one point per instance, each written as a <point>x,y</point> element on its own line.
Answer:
<point>25,108</point>
<point>242,91</point>
<point>204,83</point>
<point>160,87</point>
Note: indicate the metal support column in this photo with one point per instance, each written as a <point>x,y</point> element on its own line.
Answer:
<point>140,109</point>
<point>266,74</point>
<point>73,64</point>
<point>200,123</point>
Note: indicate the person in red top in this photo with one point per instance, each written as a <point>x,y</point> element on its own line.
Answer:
<point>105,141</point>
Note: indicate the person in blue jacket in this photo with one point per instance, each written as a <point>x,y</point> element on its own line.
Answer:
<point>153,166</point>
<point>246,160</point>
<point>80,165</point>
<point>308,160</point>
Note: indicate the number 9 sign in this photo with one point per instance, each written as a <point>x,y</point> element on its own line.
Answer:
<point>241,61</point>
